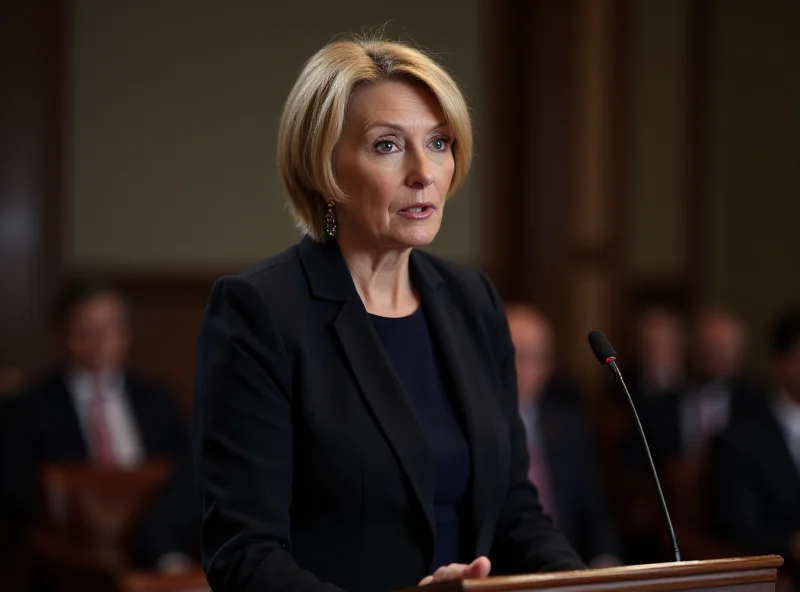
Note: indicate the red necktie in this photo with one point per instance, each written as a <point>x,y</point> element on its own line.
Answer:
<point>540,477</point>
<point>98,425</point>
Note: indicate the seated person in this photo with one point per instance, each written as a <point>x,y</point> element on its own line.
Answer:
<point>660,368</point>
<point>754,473</point>
<point>562,463</point>
<point>91,410</point>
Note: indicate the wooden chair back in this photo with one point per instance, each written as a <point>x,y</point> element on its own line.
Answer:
<point>97,508</point>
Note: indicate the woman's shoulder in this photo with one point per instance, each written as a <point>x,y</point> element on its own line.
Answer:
<point>275,267</point>
<point>276,279</point>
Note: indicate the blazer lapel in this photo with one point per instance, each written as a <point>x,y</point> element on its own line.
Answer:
<point>470,389</point>
<point>143,420</point>
<point>388,401</point>
<point>374,373</point>
<point>782,457</point>
<point>72,442</point>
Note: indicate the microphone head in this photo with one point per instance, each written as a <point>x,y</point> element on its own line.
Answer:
<point>601,347</point>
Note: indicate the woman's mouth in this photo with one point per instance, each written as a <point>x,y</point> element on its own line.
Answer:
<point>418,211</point>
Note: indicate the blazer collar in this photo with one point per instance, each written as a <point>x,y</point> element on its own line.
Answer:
<point>330,279</point>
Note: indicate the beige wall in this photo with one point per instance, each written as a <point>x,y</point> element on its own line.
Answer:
<point>754,157</point>
<point>173,116</point>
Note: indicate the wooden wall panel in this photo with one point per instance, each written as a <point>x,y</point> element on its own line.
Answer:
<point>166,313</point>
<point>32,74</point>
<point>699,89</point>
<point>32,41</point>
<point>531,129</point>
<point>559,181</point>
<point>557,162</point>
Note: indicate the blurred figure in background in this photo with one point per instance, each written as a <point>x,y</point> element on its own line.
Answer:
<point>660,353</point>
<point>562,463</point>
<point>681,425</point>
<point>656,383</point>
<point>754,471</point>
<point>91,410</point>
<point>718,388</point>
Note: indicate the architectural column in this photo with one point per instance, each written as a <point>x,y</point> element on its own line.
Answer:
<point>556,187</point>
<point>596,221</point>
<point>32,65</point>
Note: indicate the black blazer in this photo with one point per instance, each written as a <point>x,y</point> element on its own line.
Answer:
<point>754,485</point>
<point>44,427</point>
<point>582,514</point>
<point>311,464</point>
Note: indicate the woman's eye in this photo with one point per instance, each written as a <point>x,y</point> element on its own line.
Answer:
<point>385,146</point>
<point>440,144</point>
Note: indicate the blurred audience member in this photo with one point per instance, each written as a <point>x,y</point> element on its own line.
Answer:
<point>91,410</point>
<point>754,473</point>
<point>680,425</point>
<point>660,353</point>
<point>562,464</point>
<point>718,387</point>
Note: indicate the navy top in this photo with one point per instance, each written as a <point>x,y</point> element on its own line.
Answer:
<point>408,343</point>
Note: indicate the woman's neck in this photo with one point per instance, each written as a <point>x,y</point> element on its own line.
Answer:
<point>382,279</point>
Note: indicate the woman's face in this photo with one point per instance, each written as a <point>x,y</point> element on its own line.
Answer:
<point>395,163</point>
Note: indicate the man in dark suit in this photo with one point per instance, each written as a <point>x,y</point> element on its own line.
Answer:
<point>754,473</point>
<point>91,410</point>
<point>559,442</point>
<point>660,356</point>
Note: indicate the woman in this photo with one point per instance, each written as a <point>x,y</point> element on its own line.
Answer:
<point>356,409</point>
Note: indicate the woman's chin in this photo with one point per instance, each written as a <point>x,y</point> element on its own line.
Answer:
<point>419,234</point>
<point>420,237</point>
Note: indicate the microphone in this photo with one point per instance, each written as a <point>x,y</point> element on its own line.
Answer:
<point>606,355</point>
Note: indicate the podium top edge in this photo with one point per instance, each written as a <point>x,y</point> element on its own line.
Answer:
<point>642,572</point>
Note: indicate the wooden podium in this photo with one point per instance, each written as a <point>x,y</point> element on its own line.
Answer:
<point>751,574</point>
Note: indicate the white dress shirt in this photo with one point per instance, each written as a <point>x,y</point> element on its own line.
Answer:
<point>123,431</point>
<point>705,413</point>
<point>530,419</point>
<point>787,412</point>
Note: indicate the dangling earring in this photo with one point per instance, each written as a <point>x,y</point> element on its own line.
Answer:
<point>330,220</point>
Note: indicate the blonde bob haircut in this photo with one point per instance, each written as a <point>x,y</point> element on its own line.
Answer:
<point>316,110</point>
